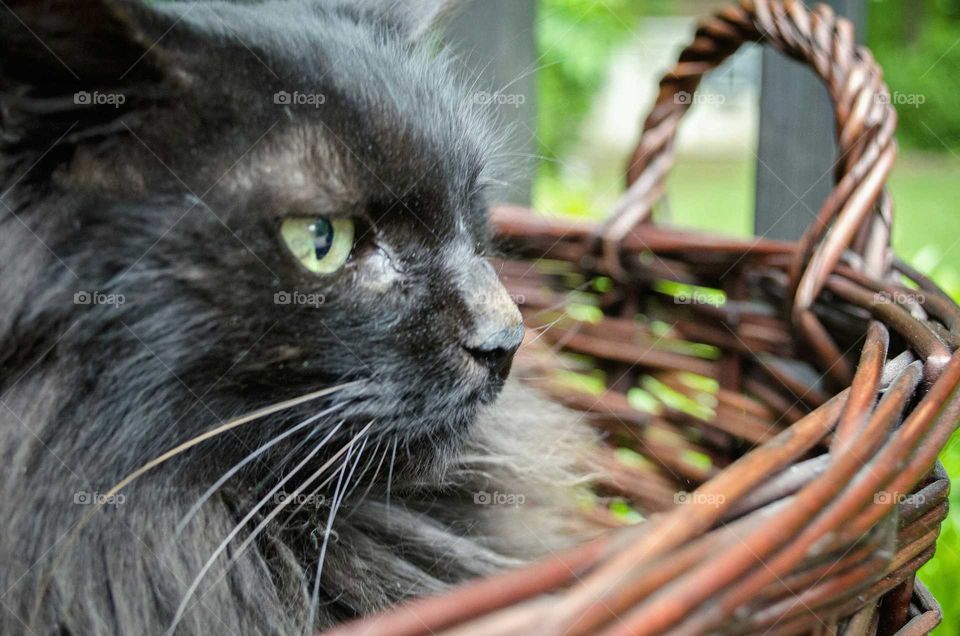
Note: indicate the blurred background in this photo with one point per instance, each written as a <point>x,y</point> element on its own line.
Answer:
<point>573,80</point>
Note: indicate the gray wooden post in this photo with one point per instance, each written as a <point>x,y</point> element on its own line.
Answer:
<point>797,149</point>
<point>495,40</point>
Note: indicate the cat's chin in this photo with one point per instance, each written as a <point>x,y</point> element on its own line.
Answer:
<point>439,439</point>
<point>485,386</point>
<point>428,430</point>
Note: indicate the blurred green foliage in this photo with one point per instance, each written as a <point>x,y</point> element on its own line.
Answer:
<point>917,42</point>
<point>940,573</point>
<point>575,39</point>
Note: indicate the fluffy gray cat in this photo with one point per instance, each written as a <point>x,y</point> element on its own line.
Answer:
<point>244,277</point>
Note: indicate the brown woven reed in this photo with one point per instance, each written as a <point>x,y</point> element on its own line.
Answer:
<point>811,456</point>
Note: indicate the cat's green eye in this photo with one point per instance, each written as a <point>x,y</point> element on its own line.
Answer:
<point>322,245</point>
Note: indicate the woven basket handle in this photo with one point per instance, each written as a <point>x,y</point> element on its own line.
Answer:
<point>865,124</point>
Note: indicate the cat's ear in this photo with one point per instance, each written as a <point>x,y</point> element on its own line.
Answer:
<point>66,60</point>
<point>414,17</point>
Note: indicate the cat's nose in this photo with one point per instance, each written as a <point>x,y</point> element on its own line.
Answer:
<point>494,348</point>
<point>495,328</point>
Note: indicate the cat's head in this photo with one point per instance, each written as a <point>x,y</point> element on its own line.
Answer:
<point>214,207</point>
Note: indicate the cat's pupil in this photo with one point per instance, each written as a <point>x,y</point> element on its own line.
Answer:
<point>322,237</point>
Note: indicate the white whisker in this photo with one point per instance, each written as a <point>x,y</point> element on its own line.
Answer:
<point>181,610</point>
<point>338,495</point>
<point>393,457</point>
<point>315,491</point>
<point>373,480</point>
<point>173,452</point>
<point>249,458</point>
<point>543,330</point>
<point>366,466</point>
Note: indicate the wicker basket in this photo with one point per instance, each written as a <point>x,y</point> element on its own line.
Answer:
<point>801,392</point>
